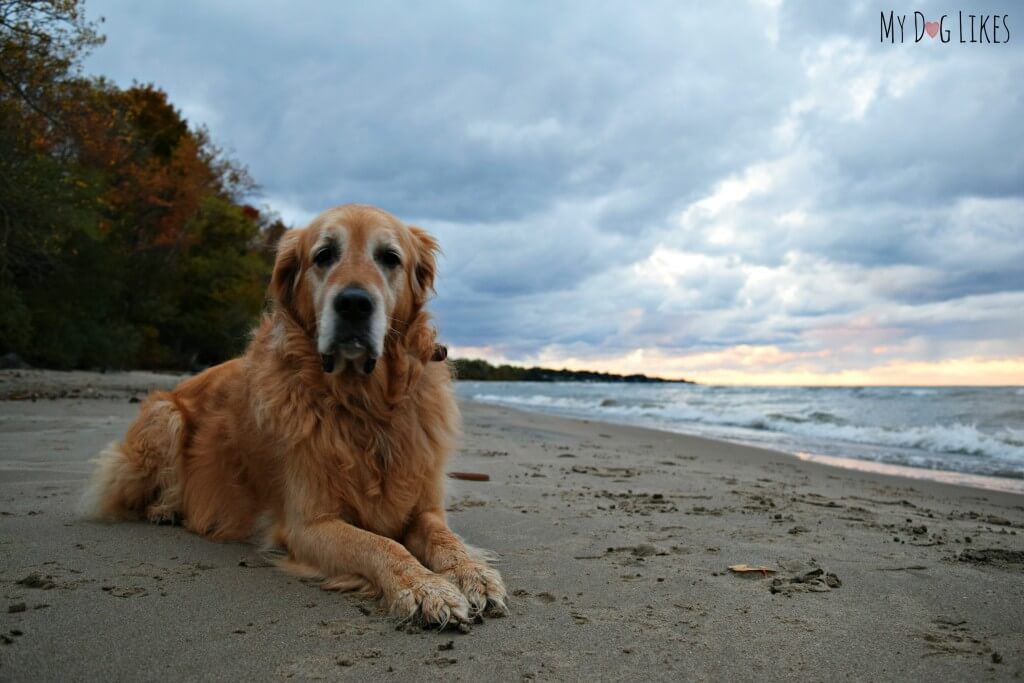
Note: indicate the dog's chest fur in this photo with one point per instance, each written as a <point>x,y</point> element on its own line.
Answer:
<point>351,450</point>
<point>372,472</point>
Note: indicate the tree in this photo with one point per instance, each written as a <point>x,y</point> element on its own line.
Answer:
<point>42,43</point>
<point>41,205</point>
<point>124,242</point>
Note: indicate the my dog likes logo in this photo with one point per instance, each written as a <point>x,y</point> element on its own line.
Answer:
<point>969,28</point>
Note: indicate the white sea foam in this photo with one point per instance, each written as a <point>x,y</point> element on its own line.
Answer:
<point>958,438</point>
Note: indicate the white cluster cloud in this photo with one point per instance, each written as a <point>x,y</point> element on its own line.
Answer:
<point>658,189</point>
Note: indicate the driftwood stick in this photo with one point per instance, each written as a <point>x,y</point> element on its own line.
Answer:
<point>470,476</point>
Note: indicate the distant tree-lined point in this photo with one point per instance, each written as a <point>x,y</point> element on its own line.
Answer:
<point>476,369</point>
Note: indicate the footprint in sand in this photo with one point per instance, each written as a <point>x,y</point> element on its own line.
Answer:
<point>612,472</point>
<point>996,557</point>
<point>953,637</point>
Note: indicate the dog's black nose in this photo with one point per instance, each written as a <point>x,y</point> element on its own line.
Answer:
<point>354,305</point>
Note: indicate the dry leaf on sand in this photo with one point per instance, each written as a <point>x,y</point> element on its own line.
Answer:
<point>746,568</point>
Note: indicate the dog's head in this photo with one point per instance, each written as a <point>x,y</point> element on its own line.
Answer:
<point>351,279</point>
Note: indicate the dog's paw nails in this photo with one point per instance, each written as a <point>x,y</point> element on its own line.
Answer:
<point>496,608</point>
<point>433,601</point>
<point>162,515</point>
<point>482,586</point>
<point>477,602</point>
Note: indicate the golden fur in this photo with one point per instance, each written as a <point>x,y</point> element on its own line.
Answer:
<point>347,467</point>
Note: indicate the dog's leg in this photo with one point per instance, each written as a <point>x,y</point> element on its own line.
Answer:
<point>437,546</point>
<point>409,588</point>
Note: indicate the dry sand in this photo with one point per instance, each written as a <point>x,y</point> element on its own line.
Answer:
<point>615,544</point>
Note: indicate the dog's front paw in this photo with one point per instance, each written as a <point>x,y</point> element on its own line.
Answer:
<point>432,600</point>
<point>482,586</point>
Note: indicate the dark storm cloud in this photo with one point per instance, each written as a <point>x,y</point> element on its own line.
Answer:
<point>605,180</point>
<point>463,114</point>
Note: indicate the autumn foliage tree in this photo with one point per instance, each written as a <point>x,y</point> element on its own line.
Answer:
<point>124,239</point>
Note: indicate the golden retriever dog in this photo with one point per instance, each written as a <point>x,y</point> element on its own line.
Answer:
<point>330,434</point>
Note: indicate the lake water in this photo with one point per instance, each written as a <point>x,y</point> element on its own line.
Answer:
<point>972,430</point>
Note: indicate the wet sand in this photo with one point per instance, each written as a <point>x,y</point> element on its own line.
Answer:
<point>615,545</point>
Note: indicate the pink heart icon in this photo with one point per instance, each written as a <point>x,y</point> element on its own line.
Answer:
<point>931,28</point>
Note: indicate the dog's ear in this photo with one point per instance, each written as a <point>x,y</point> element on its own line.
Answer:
<point>286,270</point>
<point>427,249</point>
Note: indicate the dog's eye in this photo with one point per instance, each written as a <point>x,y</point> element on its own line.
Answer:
<point>389,258</point>
<point>324,256</point>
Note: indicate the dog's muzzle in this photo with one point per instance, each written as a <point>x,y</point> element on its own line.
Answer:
<point>354,310</point>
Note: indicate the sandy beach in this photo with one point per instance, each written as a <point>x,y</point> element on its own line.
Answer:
<point>615,544</point>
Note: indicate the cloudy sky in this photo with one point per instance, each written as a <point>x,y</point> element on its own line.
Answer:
<point>732,192</point>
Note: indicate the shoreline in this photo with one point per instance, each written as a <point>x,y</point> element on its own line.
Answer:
<point>893,475</point>
<point>965,479</point>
